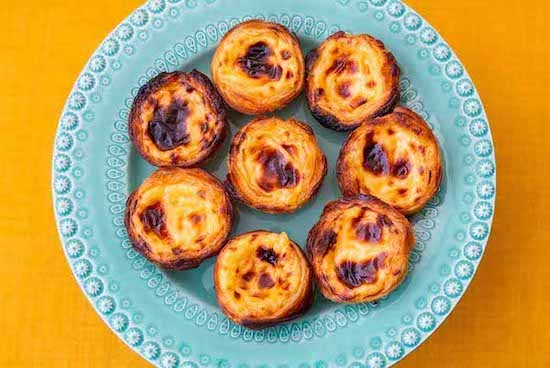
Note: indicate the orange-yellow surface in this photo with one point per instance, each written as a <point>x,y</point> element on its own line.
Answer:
<point>502,321</point>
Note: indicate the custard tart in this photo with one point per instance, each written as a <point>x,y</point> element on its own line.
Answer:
<point>263,278</point>
<point>258,67</point>
<point>350,78</point>
<point>275,165</point>
<point>359,249</point>
<point>177,119</point>
<point>179,217</point>
<point>395,158</point>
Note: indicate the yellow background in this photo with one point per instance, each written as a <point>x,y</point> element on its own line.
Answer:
<point>502,321</point>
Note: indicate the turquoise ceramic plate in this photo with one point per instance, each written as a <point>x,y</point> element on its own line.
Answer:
<point>171,318</point>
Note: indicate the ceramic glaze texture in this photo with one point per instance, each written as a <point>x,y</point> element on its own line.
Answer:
<point>172,319</point>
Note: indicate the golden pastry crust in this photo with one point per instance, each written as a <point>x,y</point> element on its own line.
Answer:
<point>359,249</point>
<point>263,278</point>
<point>177,119</point>
<point>258,67</point>
<point>350,78</point>
<point>274,165</point>
<point>179,217</point>
<point>395,158</point>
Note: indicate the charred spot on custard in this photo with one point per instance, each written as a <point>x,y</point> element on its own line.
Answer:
<point>384,220</point>
<point>256,63</point>
<point>401,169</point>
<point>327,240</point>
<point>196,218</point>
<point>278,172</point>
<point>358,101</point>
<point>375,158</point>
<point>174,158</point>
<point>354,274</point>
<point>416,130</point>
<point>265,281</point>
<point>342,64</point>
<point>343,90</point>
<point>154,220</point>
<point>290,148</point>
<point>285,54</point>
<point>248,276</point>
<point>267,255</point>
<point>168,128</point>
<point>371,233</point>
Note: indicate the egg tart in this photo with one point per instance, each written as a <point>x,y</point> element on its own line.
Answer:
<point>177,119</point>
<point>179,217</point>
<point>275,165</point>
<point>359,249</point>
<point>395,158</point>
<point>258,67</point>
<point>263,278</point>
<point>350,78</point>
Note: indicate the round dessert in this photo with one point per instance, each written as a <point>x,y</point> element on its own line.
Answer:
<point>359,249</point>
<point>179,217</point>
<point>275,165</point>
<point>395,158</point>
<point>350,78</point>
<point>177,119</point>
<point>263,278</point>
<point>258,67</point>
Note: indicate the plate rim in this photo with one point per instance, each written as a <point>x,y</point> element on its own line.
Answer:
<point>148,7</point>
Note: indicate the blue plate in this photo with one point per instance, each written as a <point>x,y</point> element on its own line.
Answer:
<point>171,318</point>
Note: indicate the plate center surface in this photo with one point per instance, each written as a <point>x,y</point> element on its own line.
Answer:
<point>198,283</point>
